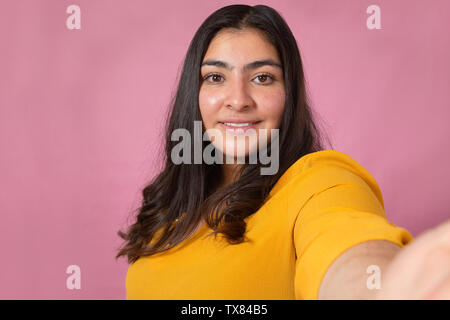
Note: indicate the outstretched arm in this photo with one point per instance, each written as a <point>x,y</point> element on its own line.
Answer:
<point>421,270</point>
<point>347,277</point>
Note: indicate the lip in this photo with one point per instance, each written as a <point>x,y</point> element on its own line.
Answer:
<point>239,120</point>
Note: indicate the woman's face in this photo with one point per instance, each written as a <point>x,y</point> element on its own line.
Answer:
<point>241,88</point>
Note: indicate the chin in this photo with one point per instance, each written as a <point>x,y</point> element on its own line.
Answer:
<point>241,152</point>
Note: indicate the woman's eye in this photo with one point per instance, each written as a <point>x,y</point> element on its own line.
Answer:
<point>264,78</point>
<point>213,77</point>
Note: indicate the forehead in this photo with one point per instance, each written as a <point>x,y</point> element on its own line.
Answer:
<point>240,45</point>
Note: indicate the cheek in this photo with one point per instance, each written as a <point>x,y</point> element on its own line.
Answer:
<point>209,104</point>
<point>272,107</point>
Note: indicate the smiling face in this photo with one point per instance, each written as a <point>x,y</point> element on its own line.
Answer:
<point>241,88</point>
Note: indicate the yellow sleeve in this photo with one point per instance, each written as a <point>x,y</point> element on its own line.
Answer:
<point>344,208</point>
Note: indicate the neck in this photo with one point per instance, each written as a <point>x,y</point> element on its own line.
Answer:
<point>229,174</point>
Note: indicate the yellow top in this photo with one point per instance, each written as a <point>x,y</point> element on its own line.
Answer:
<point>324,204</point>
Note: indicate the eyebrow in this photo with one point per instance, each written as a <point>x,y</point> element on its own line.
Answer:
<point>253,65</point>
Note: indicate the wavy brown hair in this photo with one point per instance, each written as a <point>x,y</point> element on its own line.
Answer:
<point>182,195</point>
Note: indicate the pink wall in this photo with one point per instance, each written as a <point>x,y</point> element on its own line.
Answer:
<point>81,114</point>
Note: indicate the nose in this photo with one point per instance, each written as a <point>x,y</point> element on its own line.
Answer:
<point>238,96</point>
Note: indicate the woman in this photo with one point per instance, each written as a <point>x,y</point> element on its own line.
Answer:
<point>309,229</point>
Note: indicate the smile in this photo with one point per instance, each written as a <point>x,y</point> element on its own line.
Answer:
<point>234,126</point>
<point>246,124</point>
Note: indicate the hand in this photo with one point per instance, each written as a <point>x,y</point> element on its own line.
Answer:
<point>420,271</point>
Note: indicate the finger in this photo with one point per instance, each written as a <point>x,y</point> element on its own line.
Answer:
<point>442,230</point>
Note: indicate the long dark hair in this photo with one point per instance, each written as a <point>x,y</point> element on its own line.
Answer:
<point>183,195</point>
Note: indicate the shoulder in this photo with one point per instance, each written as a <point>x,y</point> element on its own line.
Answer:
<point>324,169</point>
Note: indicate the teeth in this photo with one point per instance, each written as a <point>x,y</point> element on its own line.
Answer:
<point>238,124</point>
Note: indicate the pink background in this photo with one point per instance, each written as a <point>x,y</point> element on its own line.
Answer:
<point>81,113</point>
